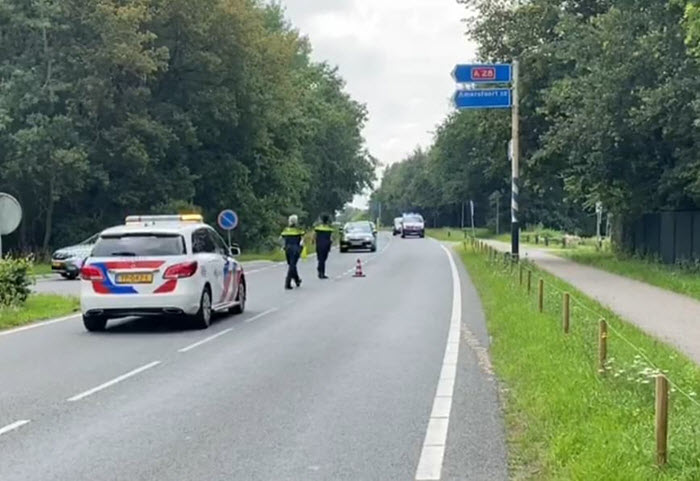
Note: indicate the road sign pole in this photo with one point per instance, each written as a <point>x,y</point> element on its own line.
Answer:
<point>515,187</point>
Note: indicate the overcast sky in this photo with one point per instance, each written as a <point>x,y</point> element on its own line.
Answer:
<point>396,56</point>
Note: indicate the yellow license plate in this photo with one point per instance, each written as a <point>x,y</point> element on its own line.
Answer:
<point>57,264</point>
<point>135,278</point>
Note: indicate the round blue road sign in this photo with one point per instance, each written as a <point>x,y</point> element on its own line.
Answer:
<point>228,219</point>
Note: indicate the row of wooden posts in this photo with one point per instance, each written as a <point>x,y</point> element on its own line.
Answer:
<point>662,383</point>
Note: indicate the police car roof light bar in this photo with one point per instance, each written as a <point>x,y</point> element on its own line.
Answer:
<point>134,219</point>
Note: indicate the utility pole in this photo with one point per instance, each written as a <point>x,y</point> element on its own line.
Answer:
<point>515,159</point>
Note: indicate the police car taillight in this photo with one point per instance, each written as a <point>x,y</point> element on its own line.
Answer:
<point>91,273</point>
<point>179,271</point>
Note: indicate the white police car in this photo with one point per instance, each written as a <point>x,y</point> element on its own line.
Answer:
<point>160,265</point>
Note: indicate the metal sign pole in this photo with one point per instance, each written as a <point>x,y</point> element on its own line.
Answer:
<point>515,188</point>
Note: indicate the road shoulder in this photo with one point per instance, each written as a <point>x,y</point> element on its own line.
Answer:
<point>476,442</point>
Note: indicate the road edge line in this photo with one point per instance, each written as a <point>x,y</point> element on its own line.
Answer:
<point>38,324</point>
<point>435,443</point>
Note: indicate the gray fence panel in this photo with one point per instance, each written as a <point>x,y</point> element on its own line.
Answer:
<point>696,235</point>
<point>667,235</point>
<point>652,235</point>
<point>639,246</point>
<point>684,236</point>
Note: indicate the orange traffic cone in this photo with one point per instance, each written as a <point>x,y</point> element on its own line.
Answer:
<point>358,269</point>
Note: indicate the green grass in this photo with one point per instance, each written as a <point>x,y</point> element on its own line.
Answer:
<point>565,421</point>
<point>454,234</point>
<point>41,269</point>
<point>276,255</point>
<point>38,307</point>
<point>669,277</point>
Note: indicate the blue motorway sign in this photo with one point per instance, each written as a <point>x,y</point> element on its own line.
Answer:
<point>493,73</point>
<point>483,99</point>
<point>228,219</point>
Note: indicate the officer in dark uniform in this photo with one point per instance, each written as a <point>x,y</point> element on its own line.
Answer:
<point>293,244</point>
<point>324,232</point>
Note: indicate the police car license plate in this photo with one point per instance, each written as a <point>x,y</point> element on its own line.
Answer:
<point>135,278</point>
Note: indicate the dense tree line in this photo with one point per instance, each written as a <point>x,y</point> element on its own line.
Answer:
<point>113,107</point>
<point>609,113</point>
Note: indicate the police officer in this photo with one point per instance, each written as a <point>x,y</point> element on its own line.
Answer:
<point>324,232</point>
<point>293,244</point>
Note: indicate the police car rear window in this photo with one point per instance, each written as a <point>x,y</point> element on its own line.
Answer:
<point>139,245</point>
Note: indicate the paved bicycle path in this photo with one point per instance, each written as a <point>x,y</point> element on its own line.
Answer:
<point>670,317</point>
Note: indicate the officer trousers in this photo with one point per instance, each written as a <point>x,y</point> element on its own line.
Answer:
<point>322,256</point>
<point>293,253</point>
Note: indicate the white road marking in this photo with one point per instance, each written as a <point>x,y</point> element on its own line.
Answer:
<point>13,426</point>
<point>262,314</point>
<point>114,381</point>
<point>433,453</point>
<point>38,324</point>
<point>205,340</point>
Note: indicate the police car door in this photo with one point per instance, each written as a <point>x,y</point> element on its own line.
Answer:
<point>204,249</point>
<point>230,274</point>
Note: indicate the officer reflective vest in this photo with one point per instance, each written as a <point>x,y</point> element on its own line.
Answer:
<point>292,237</point>
<point>324,235</point>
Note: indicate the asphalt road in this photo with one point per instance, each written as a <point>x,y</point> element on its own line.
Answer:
<point>380,378</point>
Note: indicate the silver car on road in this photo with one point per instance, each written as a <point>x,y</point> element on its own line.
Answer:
<point>67,261</point>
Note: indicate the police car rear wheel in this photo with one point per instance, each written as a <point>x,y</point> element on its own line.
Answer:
<point>95,323</point>
<point>202,319</point>
<point>242,296</point>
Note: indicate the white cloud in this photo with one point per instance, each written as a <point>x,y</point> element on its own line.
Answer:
<point>396,56</point>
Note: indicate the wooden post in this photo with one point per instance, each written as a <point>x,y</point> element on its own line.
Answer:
<point>563,242</point>
<point>566,311</point>
<point>529,282</point>
<point>661,420</point>
<point>521,274</point>
<point>602,345</point>
<point>541,295</point>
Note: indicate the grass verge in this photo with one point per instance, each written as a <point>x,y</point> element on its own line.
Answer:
<point>41,269</point>
<point>454,234</point>
<point>275,256</point>
<point>668,277</point>
<point>564,420</point>
<point>38,307</point>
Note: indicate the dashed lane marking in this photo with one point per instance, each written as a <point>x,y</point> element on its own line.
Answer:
<point>114,381</point>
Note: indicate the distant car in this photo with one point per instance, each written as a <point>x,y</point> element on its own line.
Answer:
<point>412,225</point>
<point>67,261</point>
<point>397,225</point>
<point>161,265</point>
<point>358,235</point>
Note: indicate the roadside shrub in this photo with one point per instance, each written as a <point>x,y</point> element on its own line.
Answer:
<point>15,279</point>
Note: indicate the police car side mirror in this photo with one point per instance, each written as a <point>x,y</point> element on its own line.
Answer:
<point>235,250</point>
